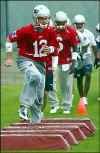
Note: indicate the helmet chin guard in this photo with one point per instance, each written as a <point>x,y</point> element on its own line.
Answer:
<point>79,29</point>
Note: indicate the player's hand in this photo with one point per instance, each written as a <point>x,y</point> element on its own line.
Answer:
<point>72,69</point>
<point>46,50</point>
<point>81,56</point>
<point>97,63</point>
<point>9,62</point>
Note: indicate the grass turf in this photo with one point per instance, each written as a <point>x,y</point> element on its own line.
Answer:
<point>10,102</point>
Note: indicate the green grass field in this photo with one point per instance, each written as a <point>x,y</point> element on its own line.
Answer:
<point>11,86</point>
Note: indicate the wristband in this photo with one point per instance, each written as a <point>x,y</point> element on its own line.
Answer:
<point>9,47</point>
<point>74,55</point>
<point>54,61</point>
<point>51,49</point>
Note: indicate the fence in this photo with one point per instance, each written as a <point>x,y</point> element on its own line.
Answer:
<point>15,14</point>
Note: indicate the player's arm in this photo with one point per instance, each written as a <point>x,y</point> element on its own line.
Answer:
<point>54,62</point>
<point>97,60</point>
<point>94,49</point>
<point>75,39</point>
<point>74,58</point>
<point>13,37</point>
<point>84,44</point>
<point>9,49</point>
<point>52,43</point>
<point>48,49</point>
<point>84,49</point>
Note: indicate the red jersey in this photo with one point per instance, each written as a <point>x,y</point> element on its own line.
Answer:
<point>30,41</point>
<point>66,38</point>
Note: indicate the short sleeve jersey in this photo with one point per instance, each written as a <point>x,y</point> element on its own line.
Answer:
<point>30,41</point>
<point>66,38</point>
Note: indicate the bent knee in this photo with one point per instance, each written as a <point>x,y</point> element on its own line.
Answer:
<point>32,77</point>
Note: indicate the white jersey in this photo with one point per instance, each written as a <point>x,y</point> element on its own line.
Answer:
<point>98,42</point>
<point>86,38</point>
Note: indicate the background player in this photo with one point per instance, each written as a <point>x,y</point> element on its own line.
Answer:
<point>67,38</point>
<point>84,63</point>
<point>97,60</point>
<point>50,92</point>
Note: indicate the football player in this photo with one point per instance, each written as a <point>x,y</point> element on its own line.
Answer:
<point>68,40</point>
<point>50,91</point>
<point>84,63</point>
<point>97,60</point>
<point>35,42</point>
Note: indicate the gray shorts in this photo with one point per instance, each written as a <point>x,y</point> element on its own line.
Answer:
<point>20,64</point>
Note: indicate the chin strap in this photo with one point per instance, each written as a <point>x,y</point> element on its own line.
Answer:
<point>43,26</point>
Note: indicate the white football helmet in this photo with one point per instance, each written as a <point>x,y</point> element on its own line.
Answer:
<point>79,22</point>
<point>98,27</point>
<point>41,11</point>
<point>60,20</point>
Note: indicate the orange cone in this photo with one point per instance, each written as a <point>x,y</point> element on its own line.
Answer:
<point>81,108</point>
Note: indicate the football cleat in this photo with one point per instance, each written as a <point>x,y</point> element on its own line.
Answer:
<point>54,109</point>
<point>23,112</point>
<point>66,112</point>
<point>85,100</point>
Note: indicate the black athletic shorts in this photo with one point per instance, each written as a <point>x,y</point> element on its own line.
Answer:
<point>49,82</point>
<point>81,72</point>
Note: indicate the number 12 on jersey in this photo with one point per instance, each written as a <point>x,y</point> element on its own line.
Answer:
<point>37,51</point>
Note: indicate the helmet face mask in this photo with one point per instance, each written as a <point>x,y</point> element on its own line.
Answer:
<point>42,22</point>
<point>60,25</point>
<point>79,22</point>
<point>41,16</point>
<point>79,26</point>
<point>60,20</point>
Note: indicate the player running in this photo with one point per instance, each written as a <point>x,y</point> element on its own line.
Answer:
<point>84,63</point>
<point>68,40</point>
<point>35,42</point>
